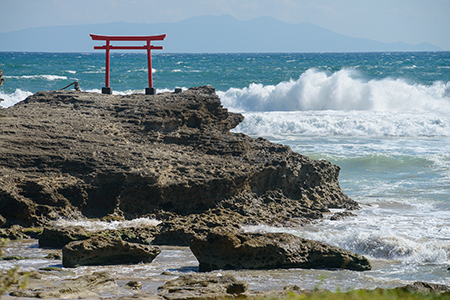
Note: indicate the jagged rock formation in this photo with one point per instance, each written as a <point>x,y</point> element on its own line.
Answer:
<point>68,153</point>
<point>225,250</point>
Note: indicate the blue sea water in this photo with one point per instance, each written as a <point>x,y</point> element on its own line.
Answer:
<point>384,118</point>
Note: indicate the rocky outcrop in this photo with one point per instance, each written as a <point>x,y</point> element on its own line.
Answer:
<point>203,286</point>
<point>100,250</point>
<point>225,250</point>
<point>79,288</point>
<point>138,155</point>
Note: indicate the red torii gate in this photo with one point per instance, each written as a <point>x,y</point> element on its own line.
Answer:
<point>148,46</point>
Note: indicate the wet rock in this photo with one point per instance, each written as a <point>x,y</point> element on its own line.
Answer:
<point>202,286</point>
<point>136,155</point>
<point>100,250</point>
<point>342,215</point>
<point>426,288</point>
<point>15,232</point>
<point>81,287</point>
<point>225,250</point>
<point>58,237</point>
<point>134,285</point>
<point>13,257</point>
<point>54,256</point>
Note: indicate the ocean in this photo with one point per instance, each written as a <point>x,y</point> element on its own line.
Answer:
<point>384,118</point>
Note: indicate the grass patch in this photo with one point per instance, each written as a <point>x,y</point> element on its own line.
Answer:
<point>377,294</point>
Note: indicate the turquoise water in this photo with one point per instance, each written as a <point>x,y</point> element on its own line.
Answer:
<point>384,118</point>
<point>50,71</point>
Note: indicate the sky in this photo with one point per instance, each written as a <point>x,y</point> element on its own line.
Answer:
<point>408,21</point>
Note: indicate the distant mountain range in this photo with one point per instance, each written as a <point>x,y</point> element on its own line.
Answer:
<point>207,34</point>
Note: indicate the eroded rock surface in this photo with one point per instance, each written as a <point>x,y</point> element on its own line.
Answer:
<point>64,153</point>
<point>100,250</point>
<point>228,251</point>
<point>78,288</point>
<point>203,286</point>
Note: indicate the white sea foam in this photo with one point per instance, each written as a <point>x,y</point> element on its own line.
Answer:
<point>343,90</point>
<point>11,99</point>
<point>46,77</point>
<point>346,123</point>
<point>374,241</point>
<point>93,225</point>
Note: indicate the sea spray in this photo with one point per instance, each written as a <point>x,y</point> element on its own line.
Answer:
<point>13,98</point>
<point>97,225</point>
<point>346,89</point>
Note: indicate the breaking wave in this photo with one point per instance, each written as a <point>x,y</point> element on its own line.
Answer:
<point>345,123</point>
<point>346,89</point>
<point>11,99</point>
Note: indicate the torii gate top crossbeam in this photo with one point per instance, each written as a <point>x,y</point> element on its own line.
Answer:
<point>97,37</point>
<point>147,38</point>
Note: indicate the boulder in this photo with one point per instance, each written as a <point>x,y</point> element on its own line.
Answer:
<point>229,251</point>
<point>100,250</point>
<point>78,288</point>
<point>202,286</point>
<point>2,221</point>
<point>136,155</point>
<point>58,237</point>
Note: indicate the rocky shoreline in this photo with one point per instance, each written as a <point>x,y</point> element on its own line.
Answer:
<point>171,157</point>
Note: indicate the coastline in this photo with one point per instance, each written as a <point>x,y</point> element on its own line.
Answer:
<point>172,223</point>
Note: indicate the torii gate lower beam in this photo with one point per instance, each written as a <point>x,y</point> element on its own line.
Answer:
<point>148,46</point>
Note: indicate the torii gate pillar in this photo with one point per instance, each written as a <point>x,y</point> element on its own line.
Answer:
<point>150,90</point>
